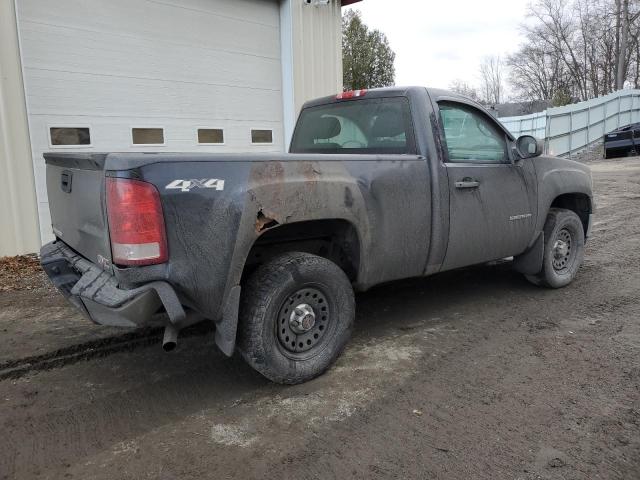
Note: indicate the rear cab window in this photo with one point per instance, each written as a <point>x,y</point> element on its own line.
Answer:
<point>362,126</point>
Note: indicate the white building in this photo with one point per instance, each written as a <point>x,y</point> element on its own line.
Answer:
<point>150,75</point>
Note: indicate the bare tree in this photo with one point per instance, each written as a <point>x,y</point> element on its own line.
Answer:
<point>577,49</point>
<point>535,75</point>
<point>491,81</point>
<point>463,88</point>
<point>558,29</point>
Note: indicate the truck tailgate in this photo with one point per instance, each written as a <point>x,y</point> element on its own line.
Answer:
<point>75,187</point>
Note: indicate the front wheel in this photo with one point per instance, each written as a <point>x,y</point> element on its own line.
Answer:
<point>563,249</point>
<point>296,316</point>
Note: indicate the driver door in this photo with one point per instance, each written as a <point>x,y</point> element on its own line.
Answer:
<point>492,208</point>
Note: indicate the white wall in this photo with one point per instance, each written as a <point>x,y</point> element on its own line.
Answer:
<point>18,213</point>
<point>317,50</point>
<point>572,127</point>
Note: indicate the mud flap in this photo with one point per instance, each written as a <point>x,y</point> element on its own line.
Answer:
<point>587,235</point>
<point>227,327</point>
<point>530,262</point>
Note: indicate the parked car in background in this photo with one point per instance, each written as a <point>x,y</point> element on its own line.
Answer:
<point>623,141</point>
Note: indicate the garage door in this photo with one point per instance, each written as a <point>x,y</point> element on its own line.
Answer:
<point>155,75</point>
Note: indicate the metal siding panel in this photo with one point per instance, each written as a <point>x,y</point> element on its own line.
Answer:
<point>611,123</point>
<point>317,50</point>
<point>18,211</point>
<point>580,120</point>
<point>597,113</point>
<point>596,131</point>
<point>579,139</point>
<point>559,145</point>
<point>625,118</point>
<point>559,125</point>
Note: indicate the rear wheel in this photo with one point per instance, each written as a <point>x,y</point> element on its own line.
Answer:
<point>296,317</point>
<point>563,249</point>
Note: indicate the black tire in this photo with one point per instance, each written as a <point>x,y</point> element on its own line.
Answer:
<point>268,340</point>
<point>561,260</point>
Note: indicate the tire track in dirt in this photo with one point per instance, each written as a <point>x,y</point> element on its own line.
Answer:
<point>37,442</point>
<point>103,347</point>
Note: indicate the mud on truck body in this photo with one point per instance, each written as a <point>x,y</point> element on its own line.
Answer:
<point>377,186</point>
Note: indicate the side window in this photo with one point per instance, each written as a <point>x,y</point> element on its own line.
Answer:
<point>471,136</point>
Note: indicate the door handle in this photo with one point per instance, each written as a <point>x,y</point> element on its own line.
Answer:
<point>467,183</point>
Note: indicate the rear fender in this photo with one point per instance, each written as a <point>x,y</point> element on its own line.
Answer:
<point>281,193</point>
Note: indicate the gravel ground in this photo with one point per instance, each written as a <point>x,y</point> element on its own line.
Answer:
<point>469,374</point>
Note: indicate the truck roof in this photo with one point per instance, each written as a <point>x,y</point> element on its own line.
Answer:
<point>436,94</point>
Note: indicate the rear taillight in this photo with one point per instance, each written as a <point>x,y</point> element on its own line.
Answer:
<point>136,224</point>
<point>351,94</point>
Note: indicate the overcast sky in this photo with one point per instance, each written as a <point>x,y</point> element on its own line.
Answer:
<point>437,42</point>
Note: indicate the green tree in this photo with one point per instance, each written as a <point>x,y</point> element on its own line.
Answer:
<point>367,58</point>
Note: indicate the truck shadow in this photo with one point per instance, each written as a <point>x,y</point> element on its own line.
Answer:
<point>397,304</point>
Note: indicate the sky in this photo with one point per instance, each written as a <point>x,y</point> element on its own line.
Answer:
<point>437,42</point>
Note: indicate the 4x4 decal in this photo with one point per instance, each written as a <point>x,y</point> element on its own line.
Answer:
<point>187,185</point>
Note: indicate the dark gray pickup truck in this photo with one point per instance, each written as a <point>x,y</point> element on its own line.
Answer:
<point>379,185</point>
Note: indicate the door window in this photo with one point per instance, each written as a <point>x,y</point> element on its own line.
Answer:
<point>471,136</point>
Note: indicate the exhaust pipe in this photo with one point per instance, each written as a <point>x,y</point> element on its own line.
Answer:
<point>170,340</point>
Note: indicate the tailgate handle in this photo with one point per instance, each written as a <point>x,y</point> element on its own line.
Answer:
<point>65,181</point>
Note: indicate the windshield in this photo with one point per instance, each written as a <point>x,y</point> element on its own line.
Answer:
<point>376,125</point>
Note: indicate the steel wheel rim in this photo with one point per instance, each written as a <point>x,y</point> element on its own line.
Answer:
<point>297,340</point>
<point>563,251</point>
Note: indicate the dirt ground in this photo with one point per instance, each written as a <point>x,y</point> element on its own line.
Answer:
<point>469,374</point>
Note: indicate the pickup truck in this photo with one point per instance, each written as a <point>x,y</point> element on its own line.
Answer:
<point>378,185</point>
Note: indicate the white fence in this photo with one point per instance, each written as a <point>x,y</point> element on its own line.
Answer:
<point>568,129</point>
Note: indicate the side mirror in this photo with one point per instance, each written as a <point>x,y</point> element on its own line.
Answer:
<point>528,146</point>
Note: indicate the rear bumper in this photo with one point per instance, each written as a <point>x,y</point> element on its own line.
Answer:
<point>622,146</point>
<point>97,294</point>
